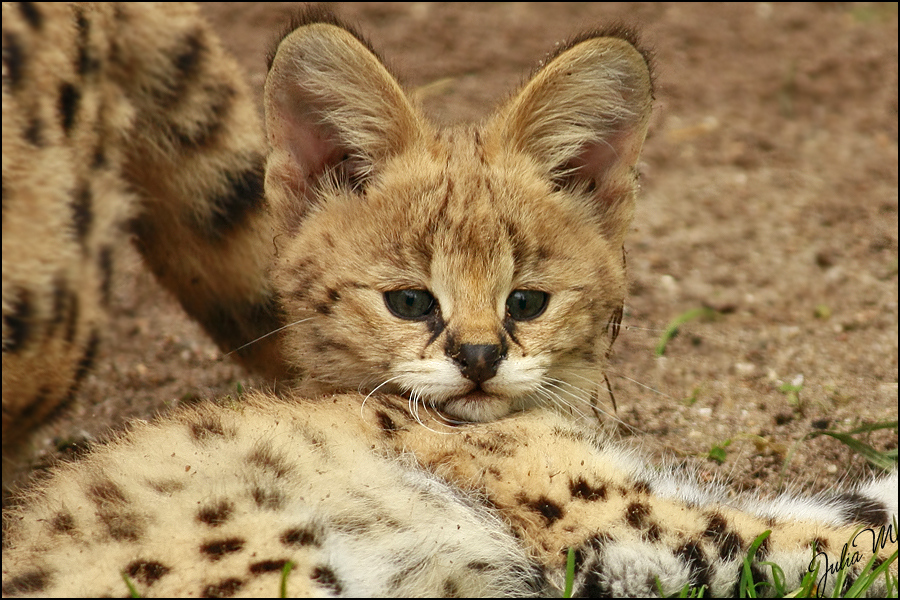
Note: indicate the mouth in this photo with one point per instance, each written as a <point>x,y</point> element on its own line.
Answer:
<point>473,406</point>
<point>476,406</point>
<point>476,395</point>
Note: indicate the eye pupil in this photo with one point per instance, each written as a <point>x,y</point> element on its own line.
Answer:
<point>409,304</point>
<point>523,305</point>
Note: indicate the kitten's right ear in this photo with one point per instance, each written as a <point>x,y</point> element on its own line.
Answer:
<point>330,104</point>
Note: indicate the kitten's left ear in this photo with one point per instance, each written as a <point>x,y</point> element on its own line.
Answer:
<point>583,118</point>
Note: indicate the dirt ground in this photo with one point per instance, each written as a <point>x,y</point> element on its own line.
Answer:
<point>769,195</point>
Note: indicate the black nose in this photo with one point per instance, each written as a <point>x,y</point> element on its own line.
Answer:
<point>478,362</point>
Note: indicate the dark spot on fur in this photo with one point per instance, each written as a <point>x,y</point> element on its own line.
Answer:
<point>186,57</point>
<point>216,513</point>
<point>327,579</point>
<point>72,315</point>
<point>478,565</point>
<point>69,103</point>
<point>207,428</point>
<point>333,295</point>
<point>241,195</point>
<point>857,508</point>
<point>551,511</point>
<point>496,443</point>
<point>819,544</point>
<point>264,457</point>
<point>544,253</point>
<point>642,487</point>
<point>30,582</point>
<point>18,321</point>
<point>99,160</point>
<point>653,532</point>
<point>85,62</point>
<point>13,60</point>
<point>323,309</point>
<point>147,572</point>
<point>521,249</point>
<point>34,132</point>
<point>637,514</point>
<point>224,589</point>
<point>579,488</point>
<point>450,589</point>
<point>83,212</point>
<point>87,359</point>
<point>267,566</point>
<point>301,536</point>
<point>31,14</point>
<point>217,549</point>
<point>62,297</point>
<point>105,494</point>
<point>122,526</point>
<point>691,554</point>
<point>434,321</point>
<point>63,522</point>
<point>730,546</point>
<point>592,586</point>
<point>204,132</point>
<point>268,499</point>
<point>509,325</point>
<point>105,268</point>
<point>110,501</point>
<point>715,527</point>
<point>386,423</point>
<point>614,325</point>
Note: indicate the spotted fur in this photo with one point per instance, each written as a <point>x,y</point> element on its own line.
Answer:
<point>132,123</point>
<point>368,499</point>
<point>469,282</point>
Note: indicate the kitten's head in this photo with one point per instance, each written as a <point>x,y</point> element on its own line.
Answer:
<point>478,270</point>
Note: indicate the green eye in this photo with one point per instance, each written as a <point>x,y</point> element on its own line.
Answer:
<point>410,304</point>
<point>524,305</point>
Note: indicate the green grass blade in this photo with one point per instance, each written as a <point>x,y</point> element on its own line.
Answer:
<point>570,573</point>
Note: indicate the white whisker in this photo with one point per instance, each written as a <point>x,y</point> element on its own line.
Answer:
<point>643,385</point>
<point>379,386</point>
<point>273,332</point>
<point>415,402</point>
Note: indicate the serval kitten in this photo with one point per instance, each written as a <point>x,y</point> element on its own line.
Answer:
<point>477,270</point>
<point>464,286</point>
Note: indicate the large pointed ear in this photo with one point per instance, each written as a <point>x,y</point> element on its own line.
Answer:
<point>583,118</point>
<point>331,106</point>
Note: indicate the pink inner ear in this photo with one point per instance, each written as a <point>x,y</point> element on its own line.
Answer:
<point>598,161</point>
<point>312,147</point>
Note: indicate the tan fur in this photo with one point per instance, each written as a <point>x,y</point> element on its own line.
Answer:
<point>532,200</point>
<point>132,116</point>
<point>366,498</point>
<point>464,280</point>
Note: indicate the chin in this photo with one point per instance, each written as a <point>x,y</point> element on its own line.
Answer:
<point>476,408</point>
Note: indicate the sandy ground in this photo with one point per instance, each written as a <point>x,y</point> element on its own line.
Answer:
<point>769,195</point>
